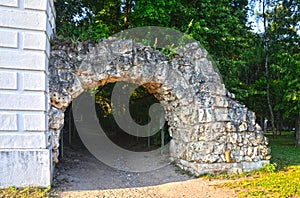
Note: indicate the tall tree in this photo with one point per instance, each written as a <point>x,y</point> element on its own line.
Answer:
<point>281,43</point>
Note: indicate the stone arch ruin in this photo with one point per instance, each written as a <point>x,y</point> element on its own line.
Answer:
<point>211,132</point>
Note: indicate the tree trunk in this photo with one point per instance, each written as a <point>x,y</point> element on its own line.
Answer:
<point>268,96</point>
<point>266,46</point>
<point>298,132</point>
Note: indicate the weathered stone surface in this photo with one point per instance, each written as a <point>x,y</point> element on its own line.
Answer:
<point>205,121</point>
<point>8,122</point>
<point>56,118</point>
<point>20,162</point>
<point>24,140</point>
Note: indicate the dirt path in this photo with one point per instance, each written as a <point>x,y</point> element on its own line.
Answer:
<point>81,175</point>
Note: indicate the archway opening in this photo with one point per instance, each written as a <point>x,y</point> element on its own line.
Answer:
<point>139,104</point>
<point>77,164</point>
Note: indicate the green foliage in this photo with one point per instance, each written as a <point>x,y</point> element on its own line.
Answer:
<point>33,192</point>
<point>279,45</point>
<point>270,168</point>
<point>153,13</point>
<point>77,19</point>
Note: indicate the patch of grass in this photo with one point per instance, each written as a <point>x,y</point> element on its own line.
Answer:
<point>277,184</point>
<point>32,192</point>
<point>281,178</point>
<point>225,176</point>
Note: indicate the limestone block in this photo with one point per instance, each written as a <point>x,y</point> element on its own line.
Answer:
<point>185,115</point>
<point>185,135</point>
<point>8,39</point>
<point>221,114</point>
<point>212,87</point>
<point>23,19</point>
<point>205,115</point>
<point>249,151</point>
<point>8,122</point>
<point>34,81</point>
<point>239,158</point>
<point>251,117</point>
<point>193,156</point>
<point>177,149</point>
<point>34,122</point>
<point>10,3</point>
<point>24,140</point>
<point>230,127</point>
<point>220,101</point>
<point>34,40</point>
<point>241,152</point>
<point>243,127</point>
<point>263,150</point>
<point>8,80</point>
<point>248,159</point>
<point>218,127</point>
<point>205,66</point>
<point>205,127</point>
<point>25,101</point>
<point>250,127</point>
<point>35,4</point>
<point>233,138</point>
<point>56,118</point>
<point>219,149</point>
<point>210,158</point>
<point>23,59</point>
<point>203,147</point>
<point>60,99</point>
<point>201,169</point>
<point>249,166</point>
<point>257,127</point>
<point>25,167</point>
<point>161,72</point>
<point>256,139</point>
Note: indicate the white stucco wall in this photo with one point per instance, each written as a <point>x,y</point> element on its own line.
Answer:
<point>26,27</point>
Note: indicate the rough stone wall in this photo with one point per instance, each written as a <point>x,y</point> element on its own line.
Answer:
<point>211,132</point>
<point>25,150</point>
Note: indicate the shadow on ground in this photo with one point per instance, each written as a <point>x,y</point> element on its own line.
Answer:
<point>80,170</point>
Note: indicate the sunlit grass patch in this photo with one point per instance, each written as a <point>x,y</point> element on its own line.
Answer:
<point>284,183</point>
<point>281,178</point>
<point>28,192</point>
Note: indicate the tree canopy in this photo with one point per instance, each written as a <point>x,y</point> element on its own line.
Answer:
<point>261,65</point>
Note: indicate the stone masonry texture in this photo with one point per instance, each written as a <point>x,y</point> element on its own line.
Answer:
<point>204,118</point>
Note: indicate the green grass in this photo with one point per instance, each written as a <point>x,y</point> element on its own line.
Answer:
<point>28,192</point>
<point>281,178</point>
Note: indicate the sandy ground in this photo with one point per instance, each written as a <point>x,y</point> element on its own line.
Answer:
<point>79,174</point>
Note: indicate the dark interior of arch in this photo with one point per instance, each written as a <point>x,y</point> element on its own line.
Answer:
<point>211,132</point>
<point>139,104</point>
